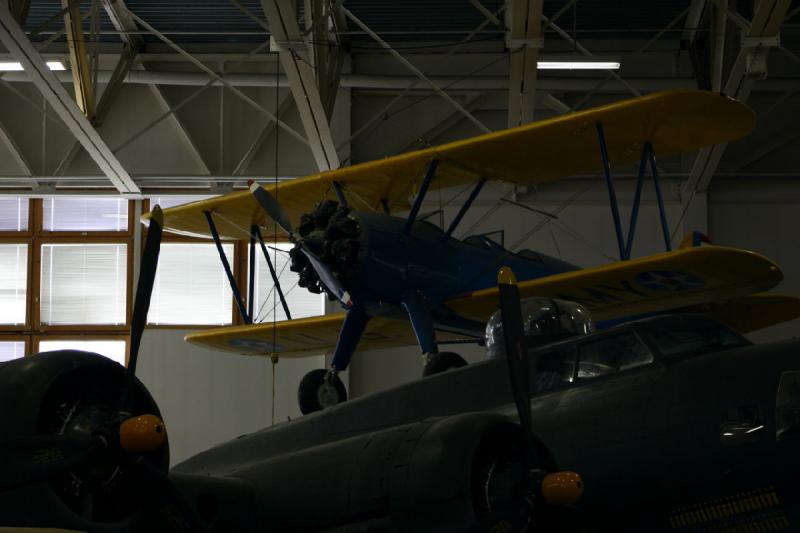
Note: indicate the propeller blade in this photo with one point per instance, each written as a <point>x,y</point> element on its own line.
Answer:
<point>271,206</point>
<point>144,289</point>
<point>36,458</point>
<point>519,366</point>
<point>327,277</point>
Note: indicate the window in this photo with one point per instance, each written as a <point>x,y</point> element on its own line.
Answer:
<point>10,350</point>
<point>191,286</point>
<point>689,338</point>
<point>83,283</point>
<point>612,354</point>
<point>14,214</point>
<point>70,213</point>
<point>13,283</point>
<point>300,301</point>
<point>554,369</point>
<point>113,349</point>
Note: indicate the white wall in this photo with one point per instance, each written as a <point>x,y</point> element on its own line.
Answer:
<point>208,397</point>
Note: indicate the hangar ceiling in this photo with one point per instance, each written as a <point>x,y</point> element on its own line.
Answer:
<point>201,96</point>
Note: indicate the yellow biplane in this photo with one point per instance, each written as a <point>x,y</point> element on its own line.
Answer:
<point>402,281</point>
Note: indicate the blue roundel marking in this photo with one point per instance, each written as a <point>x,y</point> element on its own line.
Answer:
<point>665,280</point>
<point>255,345</point>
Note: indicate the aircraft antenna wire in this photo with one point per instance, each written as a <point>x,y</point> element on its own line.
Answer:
<point>274,358</point>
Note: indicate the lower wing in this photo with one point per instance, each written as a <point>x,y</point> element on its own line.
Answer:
<point>306,336</point>
<point>656,283</point>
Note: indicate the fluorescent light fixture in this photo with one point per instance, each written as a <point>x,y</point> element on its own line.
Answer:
<point>15,66</point>
<point>578,65</point>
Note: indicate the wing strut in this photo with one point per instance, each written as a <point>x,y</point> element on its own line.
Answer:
<point>648,155</point>
<point>464,208</point>
<point>234,288</point>
<point>423,189</point>
<point>255,230</point>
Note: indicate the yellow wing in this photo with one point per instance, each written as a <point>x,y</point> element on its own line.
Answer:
<point>306,336</point>
<point>660,282</point>
<point>673,121</point>
<point>751,313</point>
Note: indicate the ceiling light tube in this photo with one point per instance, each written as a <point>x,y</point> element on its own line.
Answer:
<point>578,65</point>
<point>16,66</point>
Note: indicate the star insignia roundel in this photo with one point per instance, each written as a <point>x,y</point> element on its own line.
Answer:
<point>665,280</point>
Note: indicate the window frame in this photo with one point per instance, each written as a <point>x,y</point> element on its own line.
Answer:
<point>15,337</point>
<point>28,287</point>
<point>37,339</point>
<point>600,338</point>
<point>238,268</point>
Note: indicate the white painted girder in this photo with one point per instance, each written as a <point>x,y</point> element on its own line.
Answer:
<point>297,65</point>
<point>749,67</point>
<point>524,39</point>
<point>21,48</point>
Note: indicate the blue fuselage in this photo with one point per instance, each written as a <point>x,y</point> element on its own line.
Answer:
<point>440,267</point>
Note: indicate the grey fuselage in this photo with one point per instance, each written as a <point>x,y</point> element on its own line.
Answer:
<point>650,442</point>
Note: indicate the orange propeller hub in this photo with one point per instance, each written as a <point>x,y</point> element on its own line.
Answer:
<point>561,488</point>
<point>144,433</point>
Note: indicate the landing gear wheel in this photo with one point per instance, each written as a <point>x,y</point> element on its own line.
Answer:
<point>441,362</point>
<point>320,389</point>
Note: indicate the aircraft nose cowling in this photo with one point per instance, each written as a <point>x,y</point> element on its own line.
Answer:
<point>335,234</point>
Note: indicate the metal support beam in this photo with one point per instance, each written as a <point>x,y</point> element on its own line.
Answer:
<point>410,66</point>
<point>114,85</point>
<point>8,141</point>
<point>266,130</point>
<point>20,47</point>
<point>180,128</point>
<point>227,267</point>
<point>425,139</point>
<point>299,70</point>
<point>78,60</point>
<point>19,10</point>
<point>134,44</point>
<point>749,66</point>
<point>216,78</point>
<point>423,189</point>
<point>523,40</point>
<point>693,17</point>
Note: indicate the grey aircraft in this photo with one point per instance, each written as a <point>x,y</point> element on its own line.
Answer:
<point>667,423</point>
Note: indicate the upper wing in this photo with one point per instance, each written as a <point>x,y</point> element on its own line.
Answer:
<point>673,121</point>
<point>655,283</point>
<point>306,336</point>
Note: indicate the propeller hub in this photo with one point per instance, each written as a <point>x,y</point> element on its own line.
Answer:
<point>559,488</point>
<point>141,434</point>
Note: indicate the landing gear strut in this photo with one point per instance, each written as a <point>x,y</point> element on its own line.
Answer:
<point>320,389</point>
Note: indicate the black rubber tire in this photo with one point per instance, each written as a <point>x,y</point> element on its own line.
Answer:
<point>442,362</point>
<point>308,393</point>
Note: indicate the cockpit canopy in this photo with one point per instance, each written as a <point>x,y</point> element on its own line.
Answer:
<point>545,320</point>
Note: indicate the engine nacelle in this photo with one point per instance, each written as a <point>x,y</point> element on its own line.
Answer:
<point>72,392</point>
<point>433,475</point>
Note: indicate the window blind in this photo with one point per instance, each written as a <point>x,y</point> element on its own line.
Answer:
<point>267,306</point>
<point>64,213</point>
<point>13,282</point>
<point>191,286</point>
<point>113,349</point>
<point>83,283</point>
